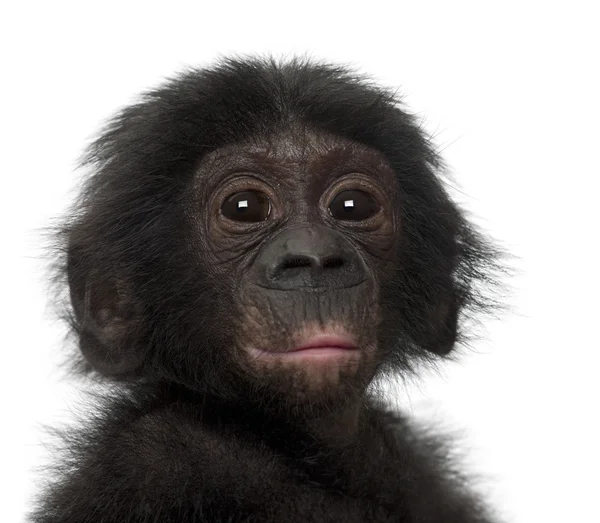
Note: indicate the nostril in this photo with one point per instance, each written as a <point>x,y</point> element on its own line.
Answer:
<point>293,263</point>
<point>333,262</point>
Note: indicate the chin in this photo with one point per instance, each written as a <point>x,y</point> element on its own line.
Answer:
<point>323,376</point>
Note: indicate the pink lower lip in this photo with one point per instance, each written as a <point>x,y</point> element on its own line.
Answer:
<point>323,351</point>
<point>325,343</point>
<point>319,348</point>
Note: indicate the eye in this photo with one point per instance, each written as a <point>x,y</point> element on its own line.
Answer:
<point>353,205</point>
<point>247,206</point>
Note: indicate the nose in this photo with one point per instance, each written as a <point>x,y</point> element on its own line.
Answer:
<point>311,256</point>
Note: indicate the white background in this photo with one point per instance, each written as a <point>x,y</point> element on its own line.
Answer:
<point>510,92</point>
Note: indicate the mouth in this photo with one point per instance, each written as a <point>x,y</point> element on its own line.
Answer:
<point>321,348</point>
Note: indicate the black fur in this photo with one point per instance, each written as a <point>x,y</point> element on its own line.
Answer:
<point>185,435</point>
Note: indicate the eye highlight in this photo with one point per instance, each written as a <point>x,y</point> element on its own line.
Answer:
<point>353,205</point>
<point>247,206</point>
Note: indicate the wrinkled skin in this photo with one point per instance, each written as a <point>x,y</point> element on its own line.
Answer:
<point>300,174</point>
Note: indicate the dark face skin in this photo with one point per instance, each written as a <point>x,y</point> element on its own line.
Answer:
<point>303,229</point>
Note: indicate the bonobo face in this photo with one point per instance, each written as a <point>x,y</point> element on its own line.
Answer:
<point>301,232</point>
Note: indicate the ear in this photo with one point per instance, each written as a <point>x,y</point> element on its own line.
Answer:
<point>109,320</point>
<point>442,322</point>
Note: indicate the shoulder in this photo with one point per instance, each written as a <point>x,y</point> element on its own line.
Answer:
<point>134,459</point>
<point>426,470</point>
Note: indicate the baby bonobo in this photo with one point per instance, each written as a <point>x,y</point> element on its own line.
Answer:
<point>256,244</point>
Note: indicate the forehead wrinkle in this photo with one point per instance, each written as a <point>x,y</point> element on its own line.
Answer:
<point>319,152</point>
<point>287,157</point>
<point>315,151</point>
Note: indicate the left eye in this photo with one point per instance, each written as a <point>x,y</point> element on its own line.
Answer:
<point>247,206</point>
<point>353,205</point>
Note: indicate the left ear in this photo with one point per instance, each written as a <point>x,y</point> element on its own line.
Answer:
<point>442,323</point>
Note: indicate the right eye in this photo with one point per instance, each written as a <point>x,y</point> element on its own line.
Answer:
<point>247,206</point>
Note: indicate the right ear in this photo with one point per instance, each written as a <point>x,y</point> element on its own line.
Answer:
<point>109,319</point>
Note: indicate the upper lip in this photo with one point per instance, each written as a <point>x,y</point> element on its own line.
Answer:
<point>326,341</point>
<point>311,287</point>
